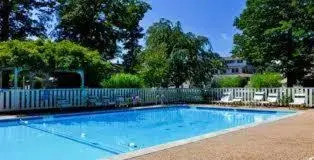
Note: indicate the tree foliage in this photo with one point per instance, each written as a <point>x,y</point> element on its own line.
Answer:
<point>232,81</point>
<point>278,34</point>
<point>154,66</point>
<point>20,19</point>
<point>229,81</point>
<point>47,57</point>
<point>267,79</point>
<point>122,80</point>
<point>101,24</point>
<point>172,57</point>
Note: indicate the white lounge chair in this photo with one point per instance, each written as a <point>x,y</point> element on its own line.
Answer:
<point>226,98</point>
<point>136,100</point>
<point>258,97</point>
<point>237,100</point>
<point>63,102</point>
<point>298,100</point>
<point>272,98</point>
<point>122,102</point>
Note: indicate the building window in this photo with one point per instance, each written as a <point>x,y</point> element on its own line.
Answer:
<point>234,70</point>
<point>229,61</point>
<point>245,70</point>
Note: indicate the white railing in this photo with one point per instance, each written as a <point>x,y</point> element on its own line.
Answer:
<point>284,94</point>
<point>18,100</point>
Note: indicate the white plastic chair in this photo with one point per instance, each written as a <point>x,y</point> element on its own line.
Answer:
<point>299,99</point>
<point>226,98</point>
<point>258,97</point>
<point>237,100</point>
<point>272,98</point>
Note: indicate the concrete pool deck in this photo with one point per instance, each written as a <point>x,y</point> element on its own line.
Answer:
<point>287,139</point>
<point>5,117</point>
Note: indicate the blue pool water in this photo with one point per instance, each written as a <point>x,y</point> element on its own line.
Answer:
<point>97,135</point>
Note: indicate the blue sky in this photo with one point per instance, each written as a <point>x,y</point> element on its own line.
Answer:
<point>210,18</point>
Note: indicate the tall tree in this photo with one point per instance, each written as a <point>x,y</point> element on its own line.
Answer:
<point>279,34</point>
<point>22,19</point>
<point>102,24</point>
<point>181,56</point>
<point>154,66</point>
<point>134,12</point>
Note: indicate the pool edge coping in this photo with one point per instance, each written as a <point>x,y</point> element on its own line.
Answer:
<point>160,147</point>
<point>39,116</point>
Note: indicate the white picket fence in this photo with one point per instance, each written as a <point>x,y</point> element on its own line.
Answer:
<point>18,100</point>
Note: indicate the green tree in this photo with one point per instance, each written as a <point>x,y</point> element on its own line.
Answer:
<point>154,66</point>
<point>229,81</point>
<point>185,56</point>
<point>43,56</point>
<point>101,24</point>
<point>20,19</point>
<point>179,68</point>
<point>122,80</point>
<point>264,80</point>
<point>134,13</point>
<point>277,34</point>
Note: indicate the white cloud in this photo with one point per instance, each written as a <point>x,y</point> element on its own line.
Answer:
<point>224,36</point>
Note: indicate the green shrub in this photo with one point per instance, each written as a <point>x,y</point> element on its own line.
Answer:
<point>123,80</point>
<point>206,95</point>
<point>38,83</point>
<point>230,81</point>
<point>285,100</point>
<point>264,80</point>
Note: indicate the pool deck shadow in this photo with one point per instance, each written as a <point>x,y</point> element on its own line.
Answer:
<point>286,139</point>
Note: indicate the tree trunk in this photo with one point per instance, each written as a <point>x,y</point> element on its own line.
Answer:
<point>0,79</point>
<point>5,25</point>
<point>291,79</point>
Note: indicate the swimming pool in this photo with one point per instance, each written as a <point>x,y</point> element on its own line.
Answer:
<point>100,135</point>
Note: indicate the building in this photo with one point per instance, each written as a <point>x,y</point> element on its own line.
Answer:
<point>237,66</point>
